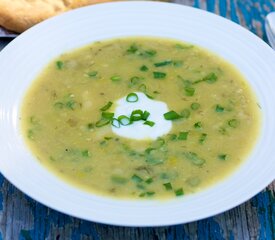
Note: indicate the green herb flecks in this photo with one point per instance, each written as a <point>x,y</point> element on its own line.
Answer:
<point>144,68</point>
<point>198,125</point>
<point>132,97</point>
<point>172,115</point>
<point>118,179</point>
<point>59,65</point>
<point>194,158</point>
<point>233,123</point>
<point>106,107</point>
<point>222,157</point>
<point>168,186</point>
<point>159,75</point>
<point>195,106</point>
<point>183,136</point>
<point>163,63</point>
<point>202,138</point>
<point>219,108</point>
<point>210,78</point>
<point>179,192</point>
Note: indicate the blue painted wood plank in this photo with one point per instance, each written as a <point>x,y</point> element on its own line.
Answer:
<point>223,7</point>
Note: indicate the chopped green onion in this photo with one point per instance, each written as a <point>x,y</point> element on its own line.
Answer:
<point>219,108</point>
<point>185,113</point>
<point>149,123</point>
<point>194,158</point>
<point>172,137</point>
<point>59,65</point>
<point>179,192</point>
<point>198,125</point>
<point>115,123</point>
<point>106,107</point>
<point>132,97</point>
<point>150,53</point>
<point>202,138</point>
<point>233,123</point>
<point>222,156</point>
<point>168,186</point>
<point>210,78</point>
<point>107,115</point>
<point>132,49</point>
<point>90,125</point>
<point>136,115</point>
<point>142,88</point>
<point>159,75</point>
<point>145,115</point>
<point>149,194</point>
<point>124,120</point>
<point>102,122</point>
<point>144,68</point>
<point>135,80</point>
<point>92,74</point>
<point>183,135</point>
<point>85,153</point>
<point>115,78</point>
<point>195,106</point>
<point>136,178</point>
<point>118,179</point>
<point>163,63</point>
<point>149,180</point>
<point>189,91</point>
<point>172,115</point>
<point>149,96</point>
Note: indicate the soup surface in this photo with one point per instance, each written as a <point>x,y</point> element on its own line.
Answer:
<point>202,114</point>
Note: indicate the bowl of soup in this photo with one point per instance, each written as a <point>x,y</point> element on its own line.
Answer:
<point>116,114</point>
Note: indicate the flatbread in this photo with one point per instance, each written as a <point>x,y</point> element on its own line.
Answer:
<point>19,15</point>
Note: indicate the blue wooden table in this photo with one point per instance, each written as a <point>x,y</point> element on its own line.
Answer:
<point>25,219</point>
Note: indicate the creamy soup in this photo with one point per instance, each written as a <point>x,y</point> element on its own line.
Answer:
<point>140,118</point>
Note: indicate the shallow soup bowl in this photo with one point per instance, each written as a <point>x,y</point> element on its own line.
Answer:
<point>23,59</point>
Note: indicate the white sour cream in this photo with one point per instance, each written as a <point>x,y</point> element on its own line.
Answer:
<point>138,130</point>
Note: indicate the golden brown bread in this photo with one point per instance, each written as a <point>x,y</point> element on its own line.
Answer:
<point>19,15</point>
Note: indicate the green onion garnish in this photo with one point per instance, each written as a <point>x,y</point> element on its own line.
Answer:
<point>132,97</point>
<point>149,96</point>
<point>233,123</point>
<point>144,68</point>
<point>59,65</point>
<point>85,153</point>
<point>195,106</point>
<point>159,75</point>
<point>119,179</point>
<point>185,113</point>
<point>172,137</point>
<point>149,180</point>
<point>163,63</point>
<point>172,115</point>
<point>222,156</point>
<point>107,115</point>
<point>189,91</point>
<point>106,107</point>
<point>145,115</point>
<point>198,125</point>
<point>183,135</point>
<point>149,194</point>
<point>168,186</point>
<point>142,88</point>
<point>124,120</point>
<point>115,123</point>
<point>136,115</point>
<point>179,192</point>
<point>102,122</point>
<point>177,63</point>
<point>115,78</point>
<point>150,53</point>
<point>132,49</point>
<point>149,123</point>
<point>219,108</point>
<point>202,138</point>
<point>136,178</point>
<point>92,74</point>
<point>90,125</point>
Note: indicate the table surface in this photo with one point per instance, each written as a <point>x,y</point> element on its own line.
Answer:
<point>25,219</point>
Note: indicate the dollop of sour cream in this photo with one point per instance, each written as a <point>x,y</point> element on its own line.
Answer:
<point>137,130</point>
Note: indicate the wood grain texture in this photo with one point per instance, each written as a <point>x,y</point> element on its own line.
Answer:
<point>25,219</point>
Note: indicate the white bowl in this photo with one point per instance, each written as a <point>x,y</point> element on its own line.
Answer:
<point>23,59</point>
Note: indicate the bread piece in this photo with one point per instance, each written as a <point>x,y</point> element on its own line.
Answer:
<point>19,15</point>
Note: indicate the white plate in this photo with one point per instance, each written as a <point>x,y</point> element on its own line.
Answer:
<point>21,61</point>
